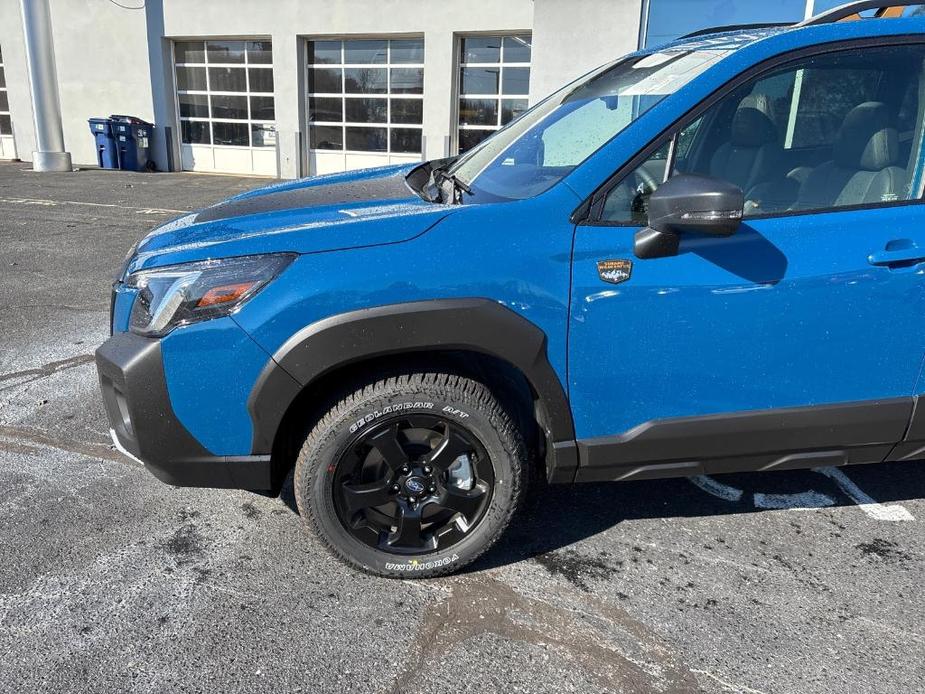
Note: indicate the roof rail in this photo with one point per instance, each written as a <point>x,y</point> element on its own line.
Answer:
<point>853,9</point>
<point>734,27</point>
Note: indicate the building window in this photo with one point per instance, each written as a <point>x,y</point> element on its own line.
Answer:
<point>6,127</point>
<point>494,83</point>
<point>225,93</point>
<point>366,95</point>
<point>671,19</point>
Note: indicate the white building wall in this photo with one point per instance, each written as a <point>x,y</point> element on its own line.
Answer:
<point>102,61</point>
<point>17,80</point>
<point>571,38</point>
<point>114,60</point>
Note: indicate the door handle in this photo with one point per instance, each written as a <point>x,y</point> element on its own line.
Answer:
<point>902,257</point>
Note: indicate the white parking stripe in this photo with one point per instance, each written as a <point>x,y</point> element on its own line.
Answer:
<point>793,502</point>
<point>894,512</point>
<point>809,499</point>
<point>711,486</point>
<point>54,203</point>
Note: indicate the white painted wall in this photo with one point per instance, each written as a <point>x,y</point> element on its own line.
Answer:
<point>113,60</point>
<point>17,79</point>
<point>101,56</point>
<point>573,37</point>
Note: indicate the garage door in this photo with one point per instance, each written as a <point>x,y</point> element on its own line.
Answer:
<point>365,102</point>
<point>7,147</point>
<point>226,107</point>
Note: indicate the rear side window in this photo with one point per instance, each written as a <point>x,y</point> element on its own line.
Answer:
<point>833,130</point>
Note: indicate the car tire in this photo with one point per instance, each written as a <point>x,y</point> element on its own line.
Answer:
<point>349,458</point>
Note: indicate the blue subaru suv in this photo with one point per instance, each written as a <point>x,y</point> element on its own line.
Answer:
<point>702,258</point>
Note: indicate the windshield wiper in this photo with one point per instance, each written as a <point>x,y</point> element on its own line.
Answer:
<point>457,185</point>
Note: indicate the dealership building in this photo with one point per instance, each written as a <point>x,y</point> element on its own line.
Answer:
<point>290,88</point>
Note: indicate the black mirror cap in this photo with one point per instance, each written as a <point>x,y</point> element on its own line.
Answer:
<point>656,244</point>
<point>701,204</point>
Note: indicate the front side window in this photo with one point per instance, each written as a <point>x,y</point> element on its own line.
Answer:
<point>366,95</point>
<point>834,130</point>
<point>494,84</point>
<point>225,93</point>
<point>5,124</point>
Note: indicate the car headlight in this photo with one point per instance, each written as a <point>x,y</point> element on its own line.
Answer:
<point>181,294</point>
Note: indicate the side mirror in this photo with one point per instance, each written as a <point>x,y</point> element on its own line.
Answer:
<point>689,204</point>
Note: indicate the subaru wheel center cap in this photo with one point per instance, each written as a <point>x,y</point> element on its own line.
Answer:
<point>415,485</point>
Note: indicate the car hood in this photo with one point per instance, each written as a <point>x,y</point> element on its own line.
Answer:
<point>323,213</point>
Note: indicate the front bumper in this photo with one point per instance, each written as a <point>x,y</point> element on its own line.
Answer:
<point>143,423</point>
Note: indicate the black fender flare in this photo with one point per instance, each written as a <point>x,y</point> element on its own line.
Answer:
<point>471,324</point>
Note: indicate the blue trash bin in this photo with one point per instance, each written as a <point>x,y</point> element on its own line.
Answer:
<point>133,138</point>
<point>107,153</point>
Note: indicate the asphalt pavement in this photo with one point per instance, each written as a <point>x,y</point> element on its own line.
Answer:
<point>111,581</point>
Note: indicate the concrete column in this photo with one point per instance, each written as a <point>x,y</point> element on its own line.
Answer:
<point>289,90</point>
<point>164,151</point>
<point>40,57</point>
<point>439,89</point>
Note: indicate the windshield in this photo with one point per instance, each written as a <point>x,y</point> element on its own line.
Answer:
<point>547,142</point>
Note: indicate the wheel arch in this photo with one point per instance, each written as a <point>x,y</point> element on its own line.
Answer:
<point>478,337</point>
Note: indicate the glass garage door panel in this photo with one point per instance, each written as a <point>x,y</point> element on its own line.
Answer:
<point>671,19</point>
<point>365,102</point>
<point>493,86</point>
<point>226,105</point>
<point>7,148</point>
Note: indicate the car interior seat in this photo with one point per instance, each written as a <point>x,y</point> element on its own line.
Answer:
<point>864,167</point>
<point>753,155</point>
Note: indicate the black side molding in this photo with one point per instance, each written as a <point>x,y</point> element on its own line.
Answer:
<point>471,324</point>
<point>913,444</point>
<point>781,439</point>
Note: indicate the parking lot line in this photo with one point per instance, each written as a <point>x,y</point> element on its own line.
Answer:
<point>809,499</point>
<point>869,505</point>
<point>40,202</point>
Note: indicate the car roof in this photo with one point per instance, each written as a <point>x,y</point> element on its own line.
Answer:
<point>720,40</point>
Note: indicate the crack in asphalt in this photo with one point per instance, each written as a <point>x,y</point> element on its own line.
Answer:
<point>11,447</point>
<point>100,451</point>
<point>484,605</point>
<point>44,371</point>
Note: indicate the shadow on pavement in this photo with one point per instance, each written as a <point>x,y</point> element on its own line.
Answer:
<point>557,516</point>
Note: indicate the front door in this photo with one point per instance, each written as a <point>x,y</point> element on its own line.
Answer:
<point>818,298</point>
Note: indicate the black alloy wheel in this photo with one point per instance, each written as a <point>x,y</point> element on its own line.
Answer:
<point>413,485</point>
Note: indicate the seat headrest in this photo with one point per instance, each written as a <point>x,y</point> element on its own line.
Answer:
<point>867,140</point>
<point>752,125</point>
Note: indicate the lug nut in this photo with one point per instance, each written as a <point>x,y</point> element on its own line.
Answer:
<point>405,469</point>
<point>431,489</point>
<point>396,488</point>
<point>413,499</point>
<point>427,469</point>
